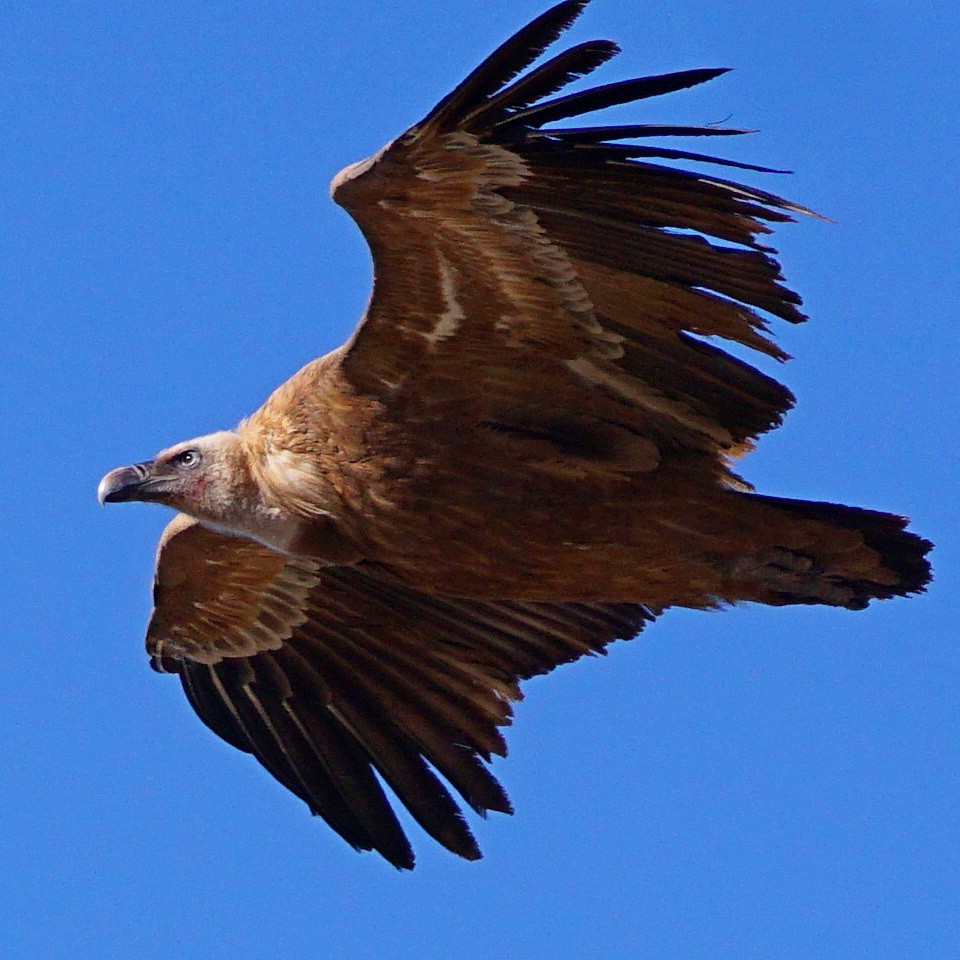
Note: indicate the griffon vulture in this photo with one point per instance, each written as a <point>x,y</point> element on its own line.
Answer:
<point>522,454</point>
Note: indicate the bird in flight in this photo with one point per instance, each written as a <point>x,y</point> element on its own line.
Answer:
<point>523,453</point>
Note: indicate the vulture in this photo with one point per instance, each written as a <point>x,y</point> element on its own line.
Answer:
<point>523,453</point>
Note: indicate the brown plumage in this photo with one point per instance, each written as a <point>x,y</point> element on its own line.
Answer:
<point>522,454</point>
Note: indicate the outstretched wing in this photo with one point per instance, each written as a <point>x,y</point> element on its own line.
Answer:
<point>522,268</point>
<point>331,676</point>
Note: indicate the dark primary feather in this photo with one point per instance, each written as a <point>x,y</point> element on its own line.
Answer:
<point>632,132</point>
<point>322,764</point>
<point>547,79</point>
<point>610,95</point>
<point>374,715</point>
<point>506,62</point>
<point>627,152</point>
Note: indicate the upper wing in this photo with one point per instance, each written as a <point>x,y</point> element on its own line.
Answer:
<point>327,674</point>
<point>518,268</point>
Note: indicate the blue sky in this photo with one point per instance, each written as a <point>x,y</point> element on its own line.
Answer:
<point>757,783</point>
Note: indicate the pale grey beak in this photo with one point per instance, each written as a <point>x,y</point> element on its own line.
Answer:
<point>126,483</point>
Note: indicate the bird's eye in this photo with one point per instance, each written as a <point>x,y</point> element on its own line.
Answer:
<point>189,458</point>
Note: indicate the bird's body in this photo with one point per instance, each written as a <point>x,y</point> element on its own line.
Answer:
<point>522,454</point>
<point>517,504</point>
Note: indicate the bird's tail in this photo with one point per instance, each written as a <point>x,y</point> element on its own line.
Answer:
<point>831,554</point>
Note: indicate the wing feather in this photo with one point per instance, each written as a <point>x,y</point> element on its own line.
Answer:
<point>632,132</point>
<point>343,761</point>
<point>497,243</point>
<point>333,677</point>
<point>547,79</point>
<point>508,60</point>
<point>611,95</point>
<point>396,757</point>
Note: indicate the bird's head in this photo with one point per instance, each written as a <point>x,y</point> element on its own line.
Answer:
<point>200,477</point>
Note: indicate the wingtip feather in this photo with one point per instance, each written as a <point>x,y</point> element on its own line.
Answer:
<point>506,62</point>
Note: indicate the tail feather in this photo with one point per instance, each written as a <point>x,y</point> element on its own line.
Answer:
<point>879,561</point>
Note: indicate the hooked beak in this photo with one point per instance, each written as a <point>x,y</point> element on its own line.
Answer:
<point>128,483</point>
